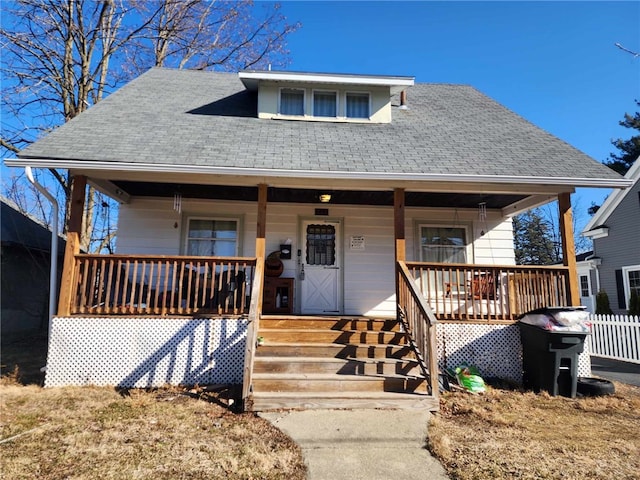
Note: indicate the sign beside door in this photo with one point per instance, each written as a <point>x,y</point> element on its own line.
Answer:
<point>321,284</point>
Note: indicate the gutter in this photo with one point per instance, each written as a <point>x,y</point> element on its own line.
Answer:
<point>313,174</point>
<point>53,271</point>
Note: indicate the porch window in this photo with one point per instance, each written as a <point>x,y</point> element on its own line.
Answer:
<point>357,105</point>
<point>212,237</point>
<point>325,104</point>
<point>291,101</point>
<point>321,245</point>
<point>442,244</point>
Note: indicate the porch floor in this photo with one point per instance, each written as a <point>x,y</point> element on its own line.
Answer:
<point>316,362</point>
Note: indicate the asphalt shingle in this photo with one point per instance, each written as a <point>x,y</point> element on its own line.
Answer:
<point>208,119</point>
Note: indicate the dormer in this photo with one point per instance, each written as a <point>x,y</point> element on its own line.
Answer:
<point>324,97</point>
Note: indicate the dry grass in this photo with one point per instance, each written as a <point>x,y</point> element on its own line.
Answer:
<point>89,433</point>
<point>509,434</point>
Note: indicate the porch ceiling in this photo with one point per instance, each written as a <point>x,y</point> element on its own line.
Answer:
<point>299,195</point>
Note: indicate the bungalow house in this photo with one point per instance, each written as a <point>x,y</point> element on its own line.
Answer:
<point>325,240</point>
<point>614,266</point>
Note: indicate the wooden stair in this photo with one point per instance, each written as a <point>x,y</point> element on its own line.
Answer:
<point>336,362</point>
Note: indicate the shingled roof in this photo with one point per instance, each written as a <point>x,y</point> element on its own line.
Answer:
<point>182,117</point>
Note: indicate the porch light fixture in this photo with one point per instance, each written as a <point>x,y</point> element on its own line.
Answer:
<point>325,198</point>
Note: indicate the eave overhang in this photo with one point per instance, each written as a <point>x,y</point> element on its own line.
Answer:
<point>252,78</point>
<point>87,166</point>
<point>599,232</point>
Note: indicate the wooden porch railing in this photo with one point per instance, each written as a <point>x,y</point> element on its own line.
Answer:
<point>159,285</point>
<point>255,312</point>
<point>496,293</point>
<point>420,324</point>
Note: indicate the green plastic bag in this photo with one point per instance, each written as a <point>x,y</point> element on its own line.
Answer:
<point>469,378</point>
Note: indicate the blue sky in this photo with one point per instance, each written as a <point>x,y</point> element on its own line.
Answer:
<point>554,63</point>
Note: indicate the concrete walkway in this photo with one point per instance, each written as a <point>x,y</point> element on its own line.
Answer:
<point>361,444</point>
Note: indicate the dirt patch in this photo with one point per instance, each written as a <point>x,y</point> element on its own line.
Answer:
<point>506,434</point>
<point>88,433</point>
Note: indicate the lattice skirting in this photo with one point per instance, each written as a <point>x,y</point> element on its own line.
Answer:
<point>495,349</point>
<point>145,352</point>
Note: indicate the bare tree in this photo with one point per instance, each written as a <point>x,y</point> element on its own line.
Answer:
<point>201,35</point>
<point>62,56</point>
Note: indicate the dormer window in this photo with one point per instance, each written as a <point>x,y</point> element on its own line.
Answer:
<point>357,105</point>
<point>291,101</point>
<point>325,104</point>
<point>324,97</point>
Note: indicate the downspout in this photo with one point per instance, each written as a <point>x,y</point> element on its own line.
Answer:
<point>53,273</point>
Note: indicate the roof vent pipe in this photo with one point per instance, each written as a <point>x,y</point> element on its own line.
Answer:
<point>403,100</point>
<point>53,272</point>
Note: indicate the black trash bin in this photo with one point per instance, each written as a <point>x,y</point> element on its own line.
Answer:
<point>550,359</point>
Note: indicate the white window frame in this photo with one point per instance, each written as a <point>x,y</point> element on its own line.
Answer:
<point>588,277</point>
<point>313,103</point>
<point>625,281</point>
<point>368,94</point>
<point>216,218</point>
<point>304,101</point>
<point>465,227</point>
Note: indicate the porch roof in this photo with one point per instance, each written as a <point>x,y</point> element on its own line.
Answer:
<point>189,121</point>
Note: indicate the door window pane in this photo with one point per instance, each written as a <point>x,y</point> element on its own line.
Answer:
<point>291,101</point>
<point>212,238</point>
<point>321,245</point>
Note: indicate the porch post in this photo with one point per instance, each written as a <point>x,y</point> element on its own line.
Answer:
<point>398,217</point>
<point>400,244</point>
<point>74,228</point>
<point>261,232</point>
<point>568,246</point>
<point>262,221</point>
<point>76,209</point>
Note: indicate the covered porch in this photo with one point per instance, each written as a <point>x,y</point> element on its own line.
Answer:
<point>209,287</point>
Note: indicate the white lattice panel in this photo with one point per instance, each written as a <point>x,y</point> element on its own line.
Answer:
<point>145,352</point>
<point>495,349</point>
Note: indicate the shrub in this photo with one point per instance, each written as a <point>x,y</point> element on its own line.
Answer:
<point>602,303</point>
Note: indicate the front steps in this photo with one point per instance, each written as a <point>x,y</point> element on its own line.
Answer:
<point>336,362</point>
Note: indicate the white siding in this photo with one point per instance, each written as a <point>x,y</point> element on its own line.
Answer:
<point>491,240</point>
<point>149,226</point>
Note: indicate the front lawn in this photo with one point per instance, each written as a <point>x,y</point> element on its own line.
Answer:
<point>91,433</point>
<point>507,434</point>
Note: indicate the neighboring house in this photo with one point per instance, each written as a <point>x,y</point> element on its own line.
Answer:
<point>384,200</point>
<point>615,231</point>
<point>584,265</point>
<point>26,247</point>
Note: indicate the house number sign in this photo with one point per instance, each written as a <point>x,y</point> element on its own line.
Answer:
<point>357,242</point>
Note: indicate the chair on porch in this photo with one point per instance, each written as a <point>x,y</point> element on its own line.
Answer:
<point>483,286</point>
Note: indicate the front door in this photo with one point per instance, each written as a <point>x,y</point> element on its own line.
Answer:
<point>320,275</point>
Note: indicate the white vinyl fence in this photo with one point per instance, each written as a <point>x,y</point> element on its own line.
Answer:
<point>615,336</point>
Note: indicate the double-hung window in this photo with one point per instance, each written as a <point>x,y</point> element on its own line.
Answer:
<point>357,105</point>
<point>443,244</point>
<point>631,275</point>
<point>325,104</point>
<point>212,237</point>
<point>585,291</point>
<point>291,101</point>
